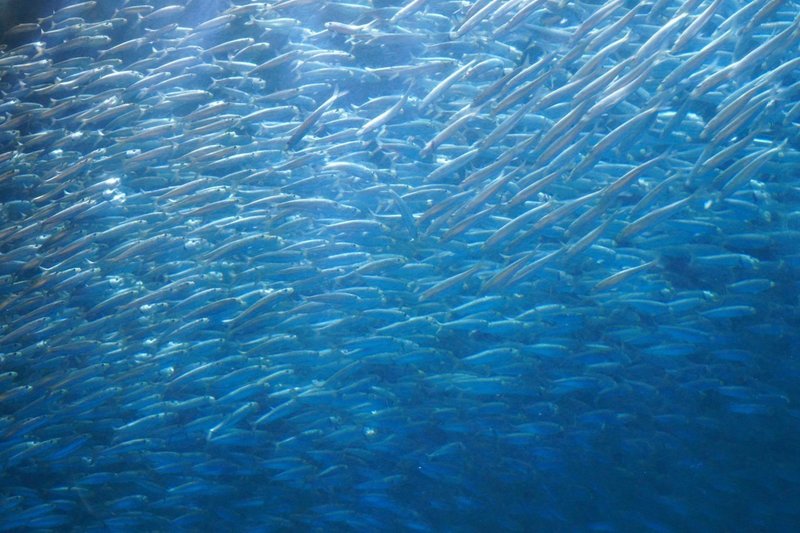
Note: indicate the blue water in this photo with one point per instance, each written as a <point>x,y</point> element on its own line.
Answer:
<point>400,266</point>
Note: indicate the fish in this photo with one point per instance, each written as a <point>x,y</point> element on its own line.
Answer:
<point>399,265</point>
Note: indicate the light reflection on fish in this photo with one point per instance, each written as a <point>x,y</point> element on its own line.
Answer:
<point>390,265</point>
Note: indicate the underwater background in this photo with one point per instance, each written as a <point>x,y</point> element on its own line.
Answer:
<point>502,265</point>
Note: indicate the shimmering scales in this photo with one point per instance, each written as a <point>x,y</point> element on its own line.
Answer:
<point>399,265</point>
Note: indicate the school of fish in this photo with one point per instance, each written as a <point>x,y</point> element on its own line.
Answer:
<point>400,265</point>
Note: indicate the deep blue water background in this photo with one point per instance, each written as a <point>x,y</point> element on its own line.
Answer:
<point>157,372</point>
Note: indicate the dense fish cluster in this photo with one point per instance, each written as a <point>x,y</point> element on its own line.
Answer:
<point>388,265</point>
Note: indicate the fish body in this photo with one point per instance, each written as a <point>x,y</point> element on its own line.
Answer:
<point>518,265</point>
